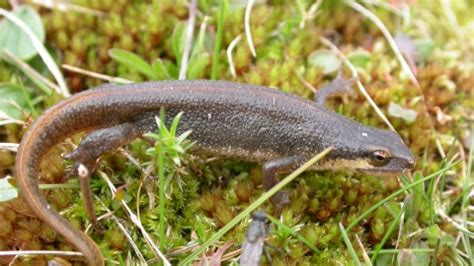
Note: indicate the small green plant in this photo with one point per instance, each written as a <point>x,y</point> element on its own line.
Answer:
<point>172,146</point>
<point>167,145</point>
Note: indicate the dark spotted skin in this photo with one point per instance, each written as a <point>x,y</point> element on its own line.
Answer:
<point>227,119</point>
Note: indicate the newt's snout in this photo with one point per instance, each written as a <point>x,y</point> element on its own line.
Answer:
<point>410,162</point>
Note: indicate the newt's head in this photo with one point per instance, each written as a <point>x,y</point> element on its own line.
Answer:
<point>369,150</point>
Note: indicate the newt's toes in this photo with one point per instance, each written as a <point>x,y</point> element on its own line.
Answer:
<point>80,167</point>
<point>281,199</point>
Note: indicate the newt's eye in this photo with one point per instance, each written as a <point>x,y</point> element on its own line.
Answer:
<point>379,158</point>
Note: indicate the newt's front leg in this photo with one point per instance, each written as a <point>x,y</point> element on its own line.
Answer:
<point>86,155</point>
<point>273,168</point>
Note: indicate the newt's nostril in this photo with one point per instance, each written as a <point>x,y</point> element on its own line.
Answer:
<point>411,162</point>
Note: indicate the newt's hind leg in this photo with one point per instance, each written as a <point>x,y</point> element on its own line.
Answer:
<point>337,87</point>
<point>85,156</point>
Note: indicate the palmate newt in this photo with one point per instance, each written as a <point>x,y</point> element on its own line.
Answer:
<point>235,120</point>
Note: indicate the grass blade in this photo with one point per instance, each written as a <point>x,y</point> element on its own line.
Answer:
<point>248,33</point>
<point>467,186</point>
<point>218,42</point>
<point>43,83</point>
<point>161,179</point>
<point>348,243</point>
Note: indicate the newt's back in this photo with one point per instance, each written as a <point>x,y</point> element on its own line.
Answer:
<point>232,119</point>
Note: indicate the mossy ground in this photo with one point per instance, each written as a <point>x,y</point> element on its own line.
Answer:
<point>202,195</point>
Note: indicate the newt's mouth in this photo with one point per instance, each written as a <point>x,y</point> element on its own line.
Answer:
<point>382,173</point>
